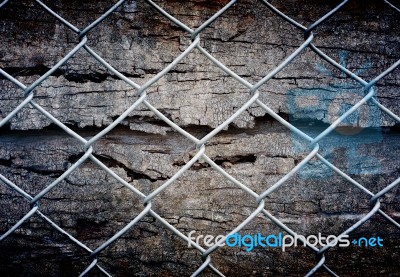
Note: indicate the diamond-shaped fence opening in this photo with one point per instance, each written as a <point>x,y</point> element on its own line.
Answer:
<point>137,194</point>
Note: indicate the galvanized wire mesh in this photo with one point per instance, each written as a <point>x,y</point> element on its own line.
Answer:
<point>206,254</point>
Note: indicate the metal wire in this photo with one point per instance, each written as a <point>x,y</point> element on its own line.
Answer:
<point>93,259</point>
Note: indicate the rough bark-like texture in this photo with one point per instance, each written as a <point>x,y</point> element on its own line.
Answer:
<point>198,96</point>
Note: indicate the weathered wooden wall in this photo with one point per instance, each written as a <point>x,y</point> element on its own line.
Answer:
<point>198,96</point>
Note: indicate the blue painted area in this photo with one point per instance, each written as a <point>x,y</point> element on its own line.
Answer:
<point>351,141</point>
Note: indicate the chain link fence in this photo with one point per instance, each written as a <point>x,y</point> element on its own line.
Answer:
<point>254,99</point>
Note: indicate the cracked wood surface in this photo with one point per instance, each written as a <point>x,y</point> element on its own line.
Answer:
<point>198,96</point>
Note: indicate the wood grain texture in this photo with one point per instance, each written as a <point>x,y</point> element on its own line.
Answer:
<point>198,96</point>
